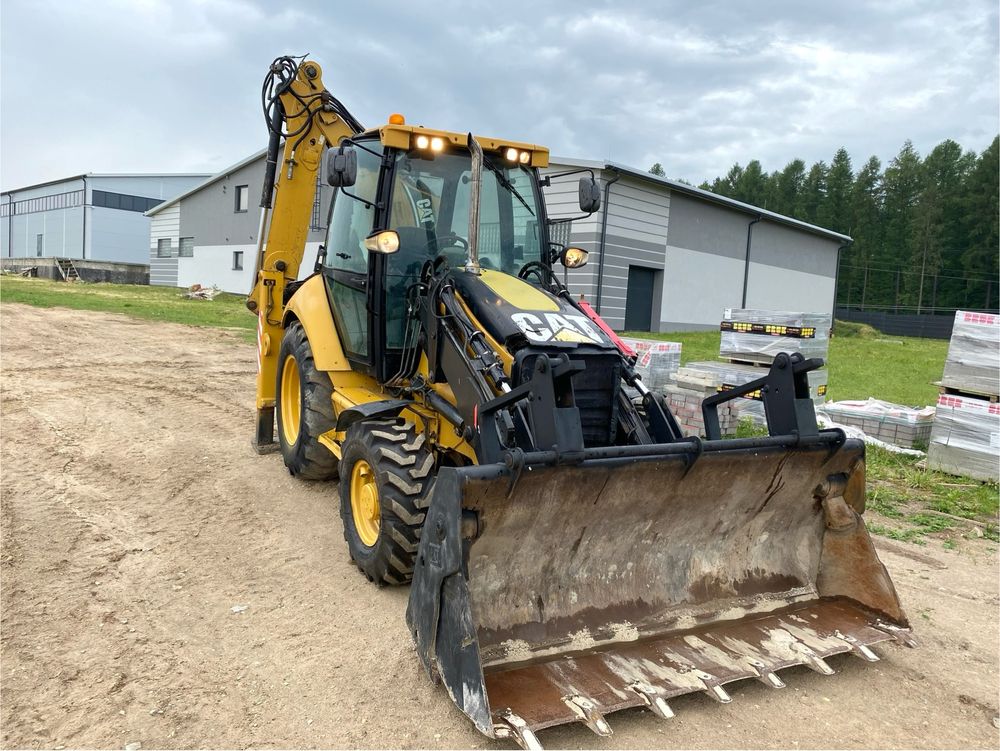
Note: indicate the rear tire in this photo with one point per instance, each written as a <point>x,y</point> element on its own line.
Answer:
<point>387,460</point>
<point>304,409</point>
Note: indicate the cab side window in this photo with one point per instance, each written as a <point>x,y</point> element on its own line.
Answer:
<point>346,257</point>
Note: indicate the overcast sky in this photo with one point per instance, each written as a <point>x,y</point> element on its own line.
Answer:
<point>174,85</point>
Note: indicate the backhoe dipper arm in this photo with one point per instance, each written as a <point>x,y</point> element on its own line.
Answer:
<point>300,110</point>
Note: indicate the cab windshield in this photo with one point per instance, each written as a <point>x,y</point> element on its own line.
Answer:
<point>430,210</point>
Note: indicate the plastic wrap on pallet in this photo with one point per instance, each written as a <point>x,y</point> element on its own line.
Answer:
<point>657,361</point>
<point>965,439</point>
<point>907,427</point>
<point>973,362</point>
<point>758,335</point>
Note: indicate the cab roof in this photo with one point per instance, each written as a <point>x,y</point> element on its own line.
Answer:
<point>403,137</point>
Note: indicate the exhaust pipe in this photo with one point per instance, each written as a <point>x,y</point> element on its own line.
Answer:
<point>472,263</point>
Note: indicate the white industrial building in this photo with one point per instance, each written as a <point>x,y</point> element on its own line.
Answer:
<point>97,217</point>
<point>664,255</point>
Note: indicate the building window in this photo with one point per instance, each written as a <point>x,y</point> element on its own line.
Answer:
<point>39,245</point>
<point>237,260</point>
<point>123,201</point>
<point>163,247</point>
<point>242,197</point>
<point>186,248</point>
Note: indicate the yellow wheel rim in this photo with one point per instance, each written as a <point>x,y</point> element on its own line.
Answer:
<point>364,502</point>
<point>291,400</point>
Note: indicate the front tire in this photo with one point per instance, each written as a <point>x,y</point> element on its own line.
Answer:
<point>385,471</point>
<point>304,409</point>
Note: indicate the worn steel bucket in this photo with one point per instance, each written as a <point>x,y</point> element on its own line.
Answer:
<point>552,594</point>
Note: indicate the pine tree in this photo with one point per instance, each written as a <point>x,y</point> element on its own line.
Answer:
<point>657,169</point>
<point>788,187</point>
<point>835,212</point>
<point>867,199</point>
<point>903,182</point>
<point>981,222</point>
<point>813,194</point>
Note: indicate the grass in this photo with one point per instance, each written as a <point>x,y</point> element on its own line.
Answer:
<point>151,303</point>
<point>905,501</point>
<point>862,362</point>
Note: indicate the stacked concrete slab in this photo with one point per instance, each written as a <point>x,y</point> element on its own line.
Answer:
<point>965,438</point>
<point>685,395</point>
<point>756,336</point>
<point>657,361</point>
<point>906,427</point>
<point>973,362</point>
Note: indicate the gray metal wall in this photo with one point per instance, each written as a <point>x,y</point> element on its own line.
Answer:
<point>210,217</point>
<point>111,234</point>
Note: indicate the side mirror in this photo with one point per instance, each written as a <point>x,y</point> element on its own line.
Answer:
<point>573,258</point>
<point>340,166</point>
<point>590,195</point>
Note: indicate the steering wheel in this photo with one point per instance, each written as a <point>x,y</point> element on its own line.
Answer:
<point>450,239</point>
<point>534,268</point>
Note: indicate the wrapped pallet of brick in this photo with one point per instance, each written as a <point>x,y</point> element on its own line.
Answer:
<point>729,375</point>
<point>965,438</point>
<point>685,395</point>
<point>906,427</point>
<point>973,362</point>
<point>656,361</point>
<point>756,336</point>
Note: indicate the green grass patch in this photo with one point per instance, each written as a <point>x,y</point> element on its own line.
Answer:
<point>152,303</point>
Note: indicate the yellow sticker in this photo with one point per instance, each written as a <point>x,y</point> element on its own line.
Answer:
<point>567,335</point>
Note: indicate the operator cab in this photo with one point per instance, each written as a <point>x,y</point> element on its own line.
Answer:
<point>417,183</point>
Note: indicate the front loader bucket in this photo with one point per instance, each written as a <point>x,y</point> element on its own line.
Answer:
<point>545,595</point>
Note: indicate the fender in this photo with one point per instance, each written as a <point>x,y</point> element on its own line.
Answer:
<point>310,305</point>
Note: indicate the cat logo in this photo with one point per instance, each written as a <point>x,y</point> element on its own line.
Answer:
<point>548,327</point>
<point>426,211</point>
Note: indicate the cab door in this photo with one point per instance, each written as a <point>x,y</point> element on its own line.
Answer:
<point>347,268</point>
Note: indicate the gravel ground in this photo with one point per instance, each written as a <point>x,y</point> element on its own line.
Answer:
<point>135,518</point>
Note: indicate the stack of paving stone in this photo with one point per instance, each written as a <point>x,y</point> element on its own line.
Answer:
<point>965,439</point>
<point>973,362</point>
<point>756,336</point>
<point>685,395</point>
<point>906,427</point>
<point>657,361</point>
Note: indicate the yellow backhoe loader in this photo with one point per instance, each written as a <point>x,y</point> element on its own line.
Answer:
<point>571,553</point>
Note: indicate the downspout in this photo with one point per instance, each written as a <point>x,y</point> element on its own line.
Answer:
<point>746,263</point>
<point>83,207</point>
<point>604,237</point>
<point>836,280</point>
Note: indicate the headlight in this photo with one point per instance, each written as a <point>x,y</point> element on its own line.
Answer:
<point>574,258</point>
<point>511,155</point>
<point>525,157</point>
<point>423,142</point>
<point>386,241</point>
<point>437,144</point>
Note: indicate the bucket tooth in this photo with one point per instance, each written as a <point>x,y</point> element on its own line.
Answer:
<point>901,635</point>
<point>812,659</point>
<point>712,687</point>
<point>656,703</point>
<point>861,650</point>
<point>765,675</point>
<point>586,710</point>
<point>515,727</point>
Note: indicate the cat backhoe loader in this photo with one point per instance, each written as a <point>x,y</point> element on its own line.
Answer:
<point>571,553</point>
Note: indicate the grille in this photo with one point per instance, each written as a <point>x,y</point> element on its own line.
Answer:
<point>596,392</point>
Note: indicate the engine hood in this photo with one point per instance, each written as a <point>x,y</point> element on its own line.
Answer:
<point>515,312</point>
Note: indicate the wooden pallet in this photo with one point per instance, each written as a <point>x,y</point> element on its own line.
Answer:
<point>968,393</point>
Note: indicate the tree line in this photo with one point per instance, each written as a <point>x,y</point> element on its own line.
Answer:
<point>925,229</point>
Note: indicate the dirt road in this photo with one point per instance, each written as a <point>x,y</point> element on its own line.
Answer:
<point>135,517</point>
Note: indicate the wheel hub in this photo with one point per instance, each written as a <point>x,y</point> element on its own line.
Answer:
<point>291,400</point>
<point>364,503</point>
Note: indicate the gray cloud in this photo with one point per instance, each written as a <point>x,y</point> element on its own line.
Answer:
<point>173,85</point>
